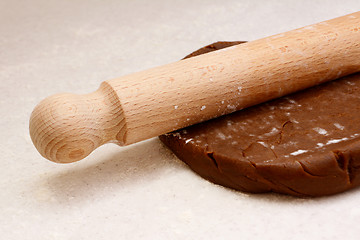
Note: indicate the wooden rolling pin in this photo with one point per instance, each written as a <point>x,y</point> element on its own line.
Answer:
<point>67,127</point>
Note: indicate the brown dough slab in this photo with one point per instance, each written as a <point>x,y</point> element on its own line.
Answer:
<point>304,144</point>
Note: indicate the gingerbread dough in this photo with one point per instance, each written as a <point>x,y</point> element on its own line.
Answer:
<point>304,144</point>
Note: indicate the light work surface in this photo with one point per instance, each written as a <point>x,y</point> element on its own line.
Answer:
<point>142,191</point>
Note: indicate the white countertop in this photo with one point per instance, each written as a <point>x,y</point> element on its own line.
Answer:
<point>141,191</point>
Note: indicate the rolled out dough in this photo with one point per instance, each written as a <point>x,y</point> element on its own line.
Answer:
<point>304,144</point>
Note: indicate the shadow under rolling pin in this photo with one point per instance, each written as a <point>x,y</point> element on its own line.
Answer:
<point>67,127</point>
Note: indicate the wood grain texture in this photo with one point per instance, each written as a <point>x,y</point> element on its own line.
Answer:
<point>66,128</point>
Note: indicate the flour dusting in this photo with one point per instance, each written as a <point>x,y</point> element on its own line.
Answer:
<point>298,152</point>
<point>336,140</point>
<point>339,126</point>
<point>320,130</point>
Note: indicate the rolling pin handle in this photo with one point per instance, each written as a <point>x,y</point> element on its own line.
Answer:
<point>68,127</point>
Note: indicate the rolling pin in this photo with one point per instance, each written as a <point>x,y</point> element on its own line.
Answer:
<point>67,127</point>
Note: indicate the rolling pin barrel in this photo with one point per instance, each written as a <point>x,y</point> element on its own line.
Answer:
<point>67,127</point>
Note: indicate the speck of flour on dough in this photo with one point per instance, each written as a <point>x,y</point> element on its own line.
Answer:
<point>272,132</point>
<point>202,108</point>
<point>231,107</point>
<point>291,101</point>
<point>300,151</point>
<point>336,140</point>
<point>221,136</point>
<point>263,143</point>
<point>176,107</point>
<point>320,130</point>
<point>339,126</point>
